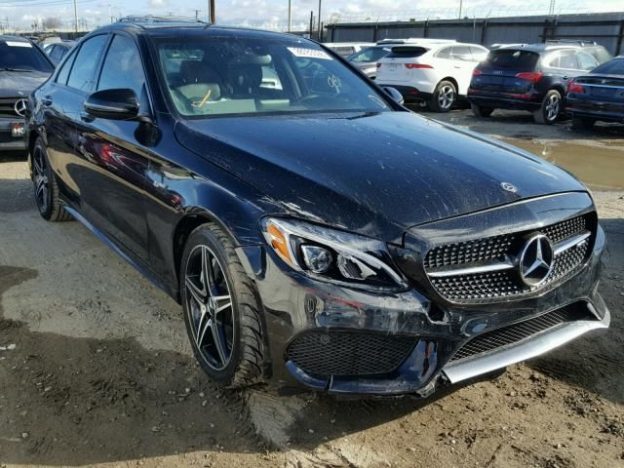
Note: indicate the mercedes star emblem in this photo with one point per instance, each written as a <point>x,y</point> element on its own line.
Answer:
<point>509,187</point>
<point>20,107</point>
<point>536,260</point>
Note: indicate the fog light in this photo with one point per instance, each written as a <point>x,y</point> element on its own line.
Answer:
<point>17,130</point>
<point>317,259</point>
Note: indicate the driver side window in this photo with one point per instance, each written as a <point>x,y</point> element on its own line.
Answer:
<point>122,67</point>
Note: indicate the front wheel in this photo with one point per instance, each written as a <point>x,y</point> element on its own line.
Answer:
<point>45,187</point>
<point>221,311</point>
<point>444,97</point>
<point>550,109</point>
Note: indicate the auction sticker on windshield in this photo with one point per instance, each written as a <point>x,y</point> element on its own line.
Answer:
<point>308,53</point>
<point>18,44</point>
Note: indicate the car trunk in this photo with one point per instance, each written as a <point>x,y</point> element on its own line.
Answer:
<point>606,88</point>
<point>401,64</point>
<point>502,70</point>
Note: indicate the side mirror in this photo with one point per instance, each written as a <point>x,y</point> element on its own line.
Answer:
<point>113,104</point>
<point>394,94</point>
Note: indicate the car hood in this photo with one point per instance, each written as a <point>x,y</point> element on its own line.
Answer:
<point>14,84</point>
<point>371,173</point>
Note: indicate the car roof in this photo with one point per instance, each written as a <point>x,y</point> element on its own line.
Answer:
<point>549,46</point>
<point>169,27</point>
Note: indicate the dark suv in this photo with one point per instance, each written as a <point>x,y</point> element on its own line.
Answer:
<point>531,77</point>
<point>23,67</point>
<point>314,230</point>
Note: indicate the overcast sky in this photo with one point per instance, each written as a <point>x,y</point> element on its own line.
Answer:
<point>272,14</point>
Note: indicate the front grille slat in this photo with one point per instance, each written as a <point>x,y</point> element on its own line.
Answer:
<point>483,287</point>
<point>511,334</point>
<point>345,353</point>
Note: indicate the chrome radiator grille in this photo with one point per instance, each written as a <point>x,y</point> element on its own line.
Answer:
<point>487,270</point>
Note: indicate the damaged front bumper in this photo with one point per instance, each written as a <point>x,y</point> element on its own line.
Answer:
<point>342,340</point>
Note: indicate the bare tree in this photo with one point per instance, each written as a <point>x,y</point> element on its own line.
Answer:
<point>52,23</point>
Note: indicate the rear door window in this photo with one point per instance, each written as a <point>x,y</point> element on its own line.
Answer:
<point>461,53</point>
<point>567,60</point>
<point>444,53</point>
<point>515,59</point>
<point>82,75</point>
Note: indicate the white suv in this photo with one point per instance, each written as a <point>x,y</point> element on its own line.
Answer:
<point>435,73</point>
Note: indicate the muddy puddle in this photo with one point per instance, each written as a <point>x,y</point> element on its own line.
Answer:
<point>600,165</point>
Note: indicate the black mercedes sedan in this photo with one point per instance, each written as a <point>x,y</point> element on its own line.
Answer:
<point>597,96</point>
<point>316,233</point>
<point>23,67</point>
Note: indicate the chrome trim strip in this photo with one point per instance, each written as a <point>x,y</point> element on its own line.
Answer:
<point>528,348</point>
<point>571,242</point>
<point>486,268</point>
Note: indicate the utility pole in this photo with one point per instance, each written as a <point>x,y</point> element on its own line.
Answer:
<point>197,14</point>
<point>461,7</point>
<point>212,14</point>
<point>289,15</point>
<point>75,16</point>
<point>320,24</point>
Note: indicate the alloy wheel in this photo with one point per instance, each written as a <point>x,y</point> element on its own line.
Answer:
<point>210,308</point>
<point>552,107</point>
<point>446,97</point>
<point>40,180</point>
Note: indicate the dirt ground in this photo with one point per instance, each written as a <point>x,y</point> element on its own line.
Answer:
<point>95,366</point>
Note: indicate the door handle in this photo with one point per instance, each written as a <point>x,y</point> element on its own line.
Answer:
<point>47,101</point>
<point>565,78</point>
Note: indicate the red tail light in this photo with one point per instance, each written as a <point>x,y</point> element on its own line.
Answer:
<point>476,72</point>
<point>575,88</point>
<point>412,66</point>
<point>533,77</point>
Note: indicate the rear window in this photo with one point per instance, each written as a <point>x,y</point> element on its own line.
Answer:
<point>516,59</point>
<point>614,67</point>
<point>407,52</point>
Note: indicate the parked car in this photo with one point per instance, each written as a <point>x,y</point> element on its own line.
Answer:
<point>346,49</point>
<point>531,77</point>
<point>367,60</point>
<point>23,67</point>
<point>597,96</point>
<point>58,50</point>
<point>433,72</point>
<point>316,232</point>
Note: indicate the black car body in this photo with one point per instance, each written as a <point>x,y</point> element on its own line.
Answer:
<point>23,67</point>
<point>356,247</point>
<point>598,96</point>
<point>531,77</point>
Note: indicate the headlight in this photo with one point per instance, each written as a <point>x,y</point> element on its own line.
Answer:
<point>330,254</point>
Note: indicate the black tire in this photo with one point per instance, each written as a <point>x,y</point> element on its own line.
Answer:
<point>550,110</point>
<point>582,123</point>
<point>45,186</point>
<point>480,111</point>
<point>246,349</point>
<point>444,97</point>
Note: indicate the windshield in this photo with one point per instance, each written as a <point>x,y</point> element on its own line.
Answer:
<point>22,56</point>
<point>372,54</point>
<point>211,76</point>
